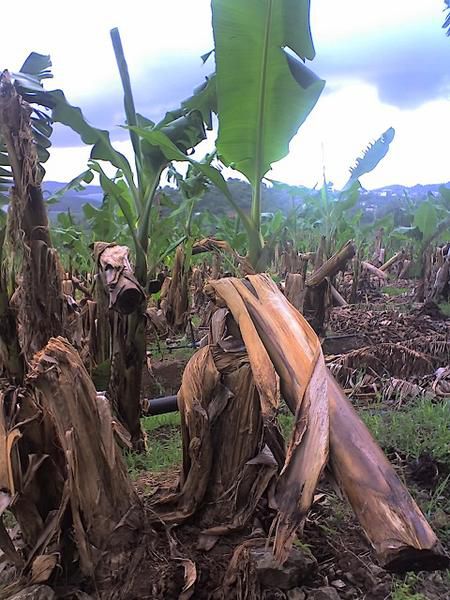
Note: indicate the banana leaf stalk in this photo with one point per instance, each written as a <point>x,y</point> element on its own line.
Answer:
<point>333,265</point>
<point>394,259</point>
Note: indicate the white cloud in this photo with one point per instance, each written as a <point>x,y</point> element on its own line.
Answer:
<point>343,123</point>
<point>340,22</point>
<point>346,118</point>
<point>77,37</point>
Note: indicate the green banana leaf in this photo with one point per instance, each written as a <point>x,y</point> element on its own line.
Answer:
<point>264,91</point>
<point>372,155</point>
<point>204,99</point>
<point>156,138</point>
<point>28,83</point>
<point>426,219</point>
<point>78,184</point>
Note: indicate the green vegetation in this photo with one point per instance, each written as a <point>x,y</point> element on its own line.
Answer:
<point>163,445</point>
<point>392,290</point>
<point>421,428</point>
<point>162,350</point>
<point>445,308</point>
<point>261,93</point>
<point>404,590</point>
<point>420,432</point>
<point>276,92</point>
<point>286,421</point>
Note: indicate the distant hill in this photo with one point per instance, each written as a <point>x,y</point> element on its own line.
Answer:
<point>273,198</point>
<point>415,191</point>
<point>72,200</point>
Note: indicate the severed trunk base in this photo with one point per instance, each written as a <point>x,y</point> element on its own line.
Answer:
<point>127,364</point>
<point>63,472</point>
<point>279,340</point>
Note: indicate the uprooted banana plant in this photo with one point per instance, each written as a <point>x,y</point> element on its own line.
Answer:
<point>259,349</point>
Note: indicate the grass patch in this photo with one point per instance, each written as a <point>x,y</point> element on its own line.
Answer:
<point>196,320</point>
<point>168,420</point>
<point>392,290</point>
<point>404,591</point>
<point>162,351</point>
<point>422,428</point>
<point>286,422</point>
<point>445,308</point>
<point>164,448</point>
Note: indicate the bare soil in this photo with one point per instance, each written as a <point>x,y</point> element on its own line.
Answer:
<point>332,535</point>
<point>164,376</point>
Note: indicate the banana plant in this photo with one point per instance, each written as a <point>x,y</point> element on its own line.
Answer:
<point>134,195</point>
<point>429,220</point>
<point>261,91</point>
<point>371,157</point>
<point>264,91</point>
<point>72,243</point>
<point>429,224</point>
<point>332,214</point>
<point>107,222</point>
<point>27,82</point>
<point>135,191</point>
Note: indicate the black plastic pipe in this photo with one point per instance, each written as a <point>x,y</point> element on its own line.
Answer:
<point>160,406</point>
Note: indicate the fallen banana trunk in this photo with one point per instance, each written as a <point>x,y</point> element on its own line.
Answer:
<point>333,265</point>
<point>339,299</point>
<point>400,534</point>
<point>277,336</point>
<point>315,299</point>
<point>374,270</point>
<point>394,259</point>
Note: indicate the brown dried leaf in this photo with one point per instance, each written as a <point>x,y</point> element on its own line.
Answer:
<point>190,577</point>
<point>8,438</point>
<point>42,567</point>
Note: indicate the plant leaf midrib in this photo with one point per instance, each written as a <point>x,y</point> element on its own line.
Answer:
<point>260,115</point>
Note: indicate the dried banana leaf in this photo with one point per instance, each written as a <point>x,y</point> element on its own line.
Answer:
<point>393,523</point>
<point>104,505</point>
<point>277,336</point>
<point>117,276</point>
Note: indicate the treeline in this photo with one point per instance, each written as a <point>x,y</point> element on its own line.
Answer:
<point>278,197</point>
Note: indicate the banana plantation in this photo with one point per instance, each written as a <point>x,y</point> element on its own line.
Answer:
<point>246,405</point>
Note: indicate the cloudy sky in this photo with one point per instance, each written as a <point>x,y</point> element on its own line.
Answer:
<point>386,63</point>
